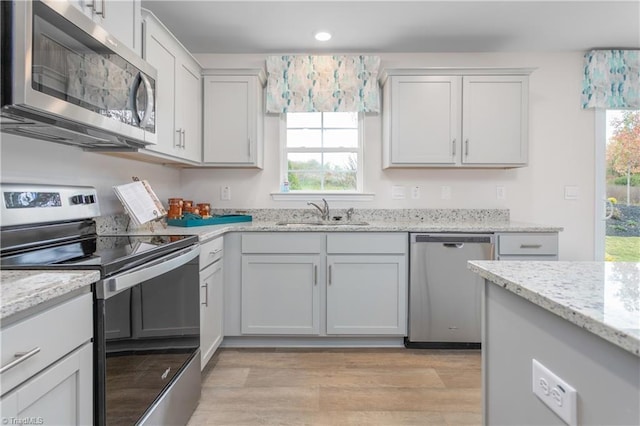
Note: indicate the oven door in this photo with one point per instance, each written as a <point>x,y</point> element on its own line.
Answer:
<point>147,337</point>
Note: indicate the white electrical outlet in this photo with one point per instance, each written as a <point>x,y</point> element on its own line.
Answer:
<point>225,193</point>
<point>501,192</point>
<point>445,192</point>
<point>398,192</point>
<point>555,393</point>
<point>415,192</point>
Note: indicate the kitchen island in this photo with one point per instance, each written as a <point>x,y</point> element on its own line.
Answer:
<point>581,320</point>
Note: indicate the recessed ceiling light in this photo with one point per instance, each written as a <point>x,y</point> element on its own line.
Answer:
<point>323,36</point>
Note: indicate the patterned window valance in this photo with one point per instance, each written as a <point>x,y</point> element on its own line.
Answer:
<point>611,79</point>
<point>323,84</point>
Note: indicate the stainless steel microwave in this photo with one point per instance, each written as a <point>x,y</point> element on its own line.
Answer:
<point>65,79</point>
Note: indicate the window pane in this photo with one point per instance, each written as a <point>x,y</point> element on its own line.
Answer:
<point>305,161</point>
<point>342,138</point>
<point>302,120</point>
<point>304,138</point>
<point>341,120</point>
<point>305,181</point>
<point>341,162</point>
<point>340,181</point>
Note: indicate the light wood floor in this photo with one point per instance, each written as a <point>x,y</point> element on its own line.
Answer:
<point>341,387</point>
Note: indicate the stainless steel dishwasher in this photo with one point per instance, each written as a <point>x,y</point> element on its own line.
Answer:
<point>444,296</point>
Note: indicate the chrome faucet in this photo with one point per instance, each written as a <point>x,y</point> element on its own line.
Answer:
<point>324,210</point>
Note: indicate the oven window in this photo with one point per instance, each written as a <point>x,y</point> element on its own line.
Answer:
<point>151,331</point>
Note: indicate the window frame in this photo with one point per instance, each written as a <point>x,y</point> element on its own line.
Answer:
<point>284,175</point>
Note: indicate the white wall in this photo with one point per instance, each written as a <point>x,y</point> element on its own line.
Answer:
<point>561,152</point>
<point>25,160</point>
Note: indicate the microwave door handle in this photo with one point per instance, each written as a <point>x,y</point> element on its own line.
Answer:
<point>133,98</point>
<point>149,271</point>
<point>150,100</point>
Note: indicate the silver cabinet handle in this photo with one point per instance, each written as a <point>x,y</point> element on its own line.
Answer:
<point>179,144</point>
<point>315,274</point>
<point>466,147</point>
<point>104,9</point>
<point>530,246</point>
<point>20,358</point>
<point>216,251</point>
<point>206,294</point>
<point>330,275</point>
<point>453,146</point>
<point>184,138</point>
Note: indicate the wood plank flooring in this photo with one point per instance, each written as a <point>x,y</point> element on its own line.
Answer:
<point>341,387</point>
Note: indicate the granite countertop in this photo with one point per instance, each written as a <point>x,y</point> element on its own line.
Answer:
<point>601,297</point>
<point>212,231</point>
<point>378,220</point>
<point>25,290</point>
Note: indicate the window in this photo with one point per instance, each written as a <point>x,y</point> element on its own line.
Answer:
<point>323,151</point>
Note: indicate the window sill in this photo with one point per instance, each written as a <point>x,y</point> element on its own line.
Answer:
<point>329,196</point>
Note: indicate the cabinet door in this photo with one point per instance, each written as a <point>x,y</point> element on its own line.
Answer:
<point>494,120</point>
<point>230,135</point>
<point>425,120</point>
<point>188,113</point>
<point>122,20</point>
<point>280,294</point>
<point>211,310</point>
<point>60,395</point>
<point>159,51</point>
<point>367,295</point>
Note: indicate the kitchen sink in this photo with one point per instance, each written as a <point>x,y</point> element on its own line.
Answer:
<point>322,223</point>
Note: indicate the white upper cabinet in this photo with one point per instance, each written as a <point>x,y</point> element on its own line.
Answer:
<point>233,118</point>
<point>121,18</point>
<point>178,95</point>
<point>495,119</point>
<point>455,119</point>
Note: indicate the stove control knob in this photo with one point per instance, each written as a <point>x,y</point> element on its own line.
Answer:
<point>89,199</point>
<point>77,199</point>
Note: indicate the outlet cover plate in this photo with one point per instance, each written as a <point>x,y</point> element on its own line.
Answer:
<point>555,393</point>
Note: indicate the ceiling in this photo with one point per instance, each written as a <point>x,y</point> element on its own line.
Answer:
<point>400,26</point>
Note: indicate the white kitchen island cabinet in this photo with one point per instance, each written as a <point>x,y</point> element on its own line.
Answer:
<point>178,96</point>
<point>580,321</point>
<point>233,118</point>
<point>54,382</point>
<point>457,119</point>
<point>323,284</point>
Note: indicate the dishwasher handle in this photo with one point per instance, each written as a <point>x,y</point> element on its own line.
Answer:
<point>453,245</point>
<point>452,240</point>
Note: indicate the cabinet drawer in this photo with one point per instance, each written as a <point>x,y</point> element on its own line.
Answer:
<point>374,243</point>
<point>210,251</point>
<point>528,244</point>
<point>55,332</point>
<point>282,243</point>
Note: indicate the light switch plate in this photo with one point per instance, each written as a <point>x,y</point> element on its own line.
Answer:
<point>571,192</point>
<point>555,393</point>
<point>445,192</point>
<point>501,192</point>
<point>415,192</point>
<point>225,193</point>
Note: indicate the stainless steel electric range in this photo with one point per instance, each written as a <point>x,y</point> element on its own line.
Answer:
<point>146,303</point>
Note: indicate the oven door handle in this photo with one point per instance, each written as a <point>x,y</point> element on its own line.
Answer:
<point>145,272</point>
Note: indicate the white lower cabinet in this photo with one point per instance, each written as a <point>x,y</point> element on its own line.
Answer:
<point>211,298</point>
<point>366,295</point>
<point>60,395</point>
<point>47,360</point>
<point>280,294</point>
<point>294,284</point>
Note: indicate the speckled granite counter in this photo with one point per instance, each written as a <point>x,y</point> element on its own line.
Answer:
<point>379,220</point>
<point>601,297</point>
<point>24,290</point>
